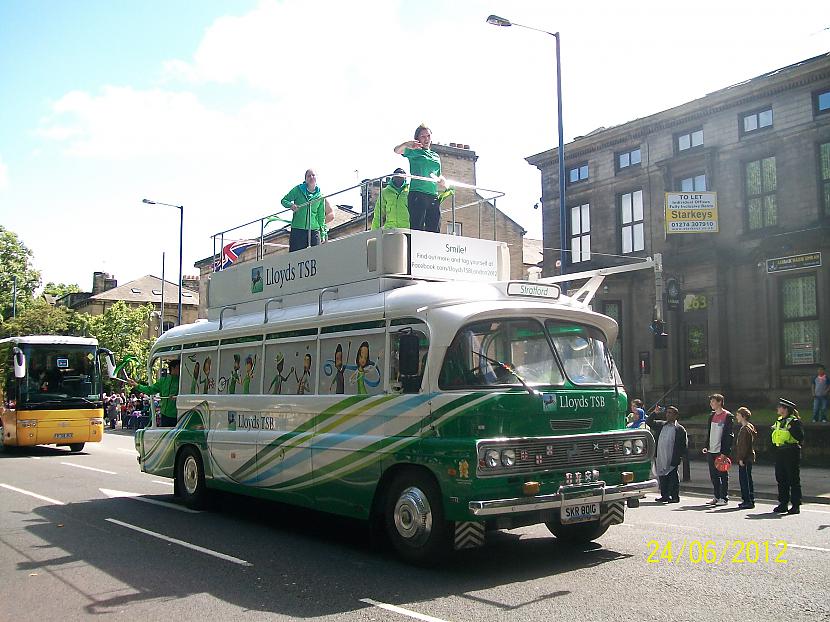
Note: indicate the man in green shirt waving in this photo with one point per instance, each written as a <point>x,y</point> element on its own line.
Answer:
<point>424,204</point>
<point>168,388</point>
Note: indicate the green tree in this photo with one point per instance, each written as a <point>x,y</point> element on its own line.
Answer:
<point>121,328</point>
<point>15,261</point>
<point>41,318</point>
<point>60,289</point>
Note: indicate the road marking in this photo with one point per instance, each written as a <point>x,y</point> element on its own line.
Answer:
<point>120,494</point>
<point>33,494</point>
<point>808,548</point>
<point>88,468</point>
<point>158,481</point>
<point>401,610</point>
<point>129,451</point>
<point>35,457</point>
<point>188,545</point>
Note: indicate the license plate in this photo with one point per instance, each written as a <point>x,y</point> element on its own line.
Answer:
<point>64,435</point>
<point>580,512</point>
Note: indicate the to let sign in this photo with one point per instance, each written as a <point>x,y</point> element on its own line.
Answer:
<point>691,212</point>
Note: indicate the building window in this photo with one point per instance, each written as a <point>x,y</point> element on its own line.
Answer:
<point>761,183</point>
<point>821,101</point>
<point>167,326</point>
<point>757,120</point>
<point>578,173</point>
<point>627,159</point>
<point>799,325</point>
<point>631,218</point>
<point>695,183</point>
<point>580,233</point>
<point>456,230</point>
<point>690,140</point>
<point>824,167</point>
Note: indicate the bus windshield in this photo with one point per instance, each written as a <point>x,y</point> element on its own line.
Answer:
<point>583,352</point>
<point>484,353</point>
<point>59,374</point>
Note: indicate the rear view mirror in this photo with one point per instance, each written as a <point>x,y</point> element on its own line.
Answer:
<point>109,359</point>
<point>409,352</point>
<point>19,363</point>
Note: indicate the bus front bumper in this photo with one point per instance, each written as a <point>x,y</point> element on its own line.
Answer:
<point>599,492</point>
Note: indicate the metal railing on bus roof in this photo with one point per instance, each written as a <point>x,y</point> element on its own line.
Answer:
<point>365,186</point>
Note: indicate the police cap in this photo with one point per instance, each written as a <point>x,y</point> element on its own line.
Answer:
<point>785,402</point>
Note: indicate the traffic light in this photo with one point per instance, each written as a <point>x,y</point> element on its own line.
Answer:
<point>661,339</point>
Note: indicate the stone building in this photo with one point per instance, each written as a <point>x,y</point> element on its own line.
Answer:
<point>749,310</point>
<point>474,217</point>
<point>145,290</point>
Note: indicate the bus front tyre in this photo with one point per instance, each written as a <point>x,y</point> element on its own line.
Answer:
<point>581,533</point>
<point>76,447</point>
<point>190,479</point>
<point>414,518</point>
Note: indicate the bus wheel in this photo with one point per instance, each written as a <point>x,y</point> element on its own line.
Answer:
<point>190,478</point>
<point>76,447</point>
<point>414,518</point>
<point>581,533</point>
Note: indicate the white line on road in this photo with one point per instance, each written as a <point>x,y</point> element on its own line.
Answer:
<point>158,481</point>
<point>129,451</point>
<point>401,610</point>
<point>33,494</point>
<point>88,468</point>
<point>35,457</point>
<point>194,547</point>
<point>120,494</point>
<point>808,548</point>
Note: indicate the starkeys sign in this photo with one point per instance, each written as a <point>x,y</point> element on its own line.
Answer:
<point>691,212</point>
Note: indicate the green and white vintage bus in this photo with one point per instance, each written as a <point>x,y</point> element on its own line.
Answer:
<point>399,376</point>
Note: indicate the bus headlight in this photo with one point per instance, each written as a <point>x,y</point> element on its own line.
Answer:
<point>96,422</point>
<point>627,448</point>
<point>492,458</point>
<point>508,457</point>
<point>639,446</point>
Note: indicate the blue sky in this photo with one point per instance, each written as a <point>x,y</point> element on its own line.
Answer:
<point>221,105</point>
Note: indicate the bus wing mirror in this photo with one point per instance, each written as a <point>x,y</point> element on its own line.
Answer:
<point>409,353</point>
<point>109,359</point>
<point>19,363</point>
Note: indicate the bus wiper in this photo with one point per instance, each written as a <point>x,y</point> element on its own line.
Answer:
<point>508,368</point>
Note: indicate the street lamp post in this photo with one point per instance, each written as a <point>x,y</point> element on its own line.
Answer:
<point>495,20</point>
<point>181,230</point>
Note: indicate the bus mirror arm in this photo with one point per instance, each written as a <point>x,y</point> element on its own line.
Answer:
<point>19,363</point>
<point>325,290</point>
<point>267,303</point>
<point>109,360</point>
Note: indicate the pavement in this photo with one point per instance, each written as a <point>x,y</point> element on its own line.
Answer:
<point>815,482</point>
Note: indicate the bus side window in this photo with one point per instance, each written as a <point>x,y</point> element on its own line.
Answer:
<point>408,360</point>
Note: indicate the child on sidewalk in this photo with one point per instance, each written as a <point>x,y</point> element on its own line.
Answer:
<point>744,455</point>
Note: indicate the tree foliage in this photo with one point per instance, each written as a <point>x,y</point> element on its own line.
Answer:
<point>15,261</point>
<point>41,318</point>
<point>121,328</point>
<point>60,289</point>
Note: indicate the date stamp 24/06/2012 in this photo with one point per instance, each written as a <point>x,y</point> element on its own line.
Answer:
<point>711,552</point>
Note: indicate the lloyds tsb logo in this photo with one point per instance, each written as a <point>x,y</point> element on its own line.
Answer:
<point>256,280</point>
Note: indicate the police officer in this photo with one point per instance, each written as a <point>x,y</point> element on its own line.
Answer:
<point>787,435</point>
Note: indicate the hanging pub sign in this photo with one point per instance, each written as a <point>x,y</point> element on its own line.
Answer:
<point>794,262</point>
<point>673,294</point>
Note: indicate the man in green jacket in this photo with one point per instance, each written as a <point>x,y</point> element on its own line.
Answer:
<point>311,212</point>
<point>391,210</point>
<point>168,388</point>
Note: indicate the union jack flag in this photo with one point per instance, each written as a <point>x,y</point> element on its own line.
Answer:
<point>231,252</point>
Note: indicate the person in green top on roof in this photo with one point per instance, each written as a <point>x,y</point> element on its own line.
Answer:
<point>424,204</point>
<point>311,212</point>
<point>391,210</point>
<point>168,388</point>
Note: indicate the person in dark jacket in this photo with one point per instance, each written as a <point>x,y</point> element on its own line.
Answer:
<point>720,442</point>
<point>787,436</point>
<point>744,455</point>
<point>672,445</point>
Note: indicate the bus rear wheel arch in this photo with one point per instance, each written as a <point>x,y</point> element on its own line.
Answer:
<point>413,517</point>
<point>190,478</point>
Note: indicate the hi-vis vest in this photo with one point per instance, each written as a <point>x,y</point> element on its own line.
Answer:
<point>781,432</point>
